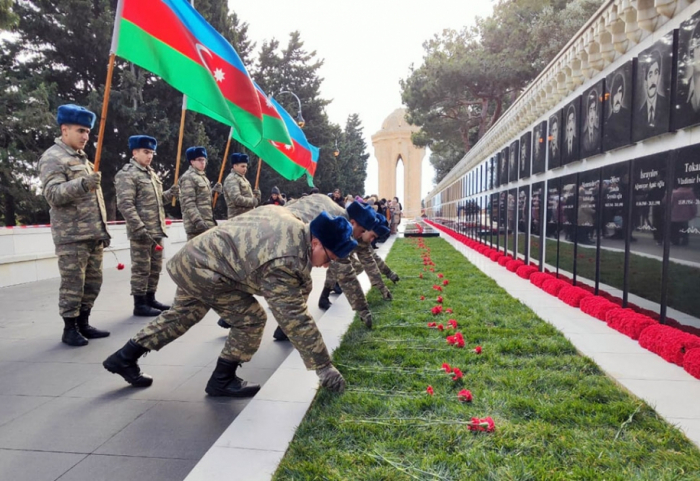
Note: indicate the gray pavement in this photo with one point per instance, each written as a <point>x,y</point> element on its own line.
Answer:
<point>62,416</point>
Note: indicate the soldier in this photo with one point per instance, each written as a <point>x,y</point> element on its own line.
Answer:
<point>140,199</point>
<point>78,222</point>
<point>364,222</point>
<point>195,194</point>
<point>266,252</point>
<point>240,196</point>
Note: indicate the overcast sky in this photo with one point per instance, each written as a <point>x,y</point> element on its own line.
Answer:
<point>367,47</point>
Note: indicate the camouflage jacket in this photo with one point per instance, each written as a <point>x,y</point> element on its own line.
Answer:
<point>308,208</point>
<point>195,201</point>
<point>239,195</point>
<point>76,214</point>
<point>265,252</point>
<point>140,200</point>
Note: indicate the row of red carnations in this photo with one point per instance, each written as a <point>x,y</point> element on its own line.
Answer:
<point>673,345</point>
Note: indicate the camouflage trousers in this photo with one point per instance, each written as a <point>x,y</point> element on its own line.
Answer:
<point>146,264</point>
<point>383,267</point>
<point>80,266</point>
<point>235,304</point>
<point>333,272</point>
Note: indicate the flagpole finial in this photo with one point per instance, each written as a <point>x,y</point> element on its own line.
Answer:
<point>299,119</point>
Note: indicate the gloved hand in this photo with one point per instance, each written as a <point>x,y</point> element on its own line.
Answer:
<point>202,226</point>
<point>92,181</point>
<point>256,193</point>
<point>394,277</point>
<point>331,378</point>
<point>218,188</point>
<point>387,295</point>
<point>366,317</point>
<point>174,190</point>
<point>141,234</point>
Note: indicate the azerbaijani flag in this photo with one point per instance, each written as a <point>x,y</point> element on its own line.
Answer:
<point>172,40</point>
<point>293,160</point>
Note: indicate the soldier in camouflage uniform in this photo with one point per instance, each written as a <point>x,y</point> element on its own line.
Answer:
<point>195,194</point>
<point>266,252</point>
<point>240,196</point>
<point>140,199</point>
<point>363,220</point>
<point>78,222</point>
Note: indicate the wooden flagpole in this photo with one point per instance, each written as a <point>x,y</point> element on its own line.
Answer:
<point>257,177</point>
<point>223,166</point>
<point>179,143</point>
<point>103,116</point>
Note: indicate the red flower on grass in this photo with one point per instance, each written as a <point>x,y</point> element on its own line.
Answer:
<point>440,276</point>
<point>451,340</point>
<point>420,275</point>
<point>485,424</point>
<point>422,298</point>
<point>477,349</point>
<point>432,324</point>
<point>439,299</point>
<point>465,396</point>
<point>430,390</point>
<point>440,327</point>
<point>460,343</point>
<point>436,310</point>
<point>445,282</point>
<point>448,310</point>
<point>452,323</point>
<point>446,367</point>
<point>457,374</point>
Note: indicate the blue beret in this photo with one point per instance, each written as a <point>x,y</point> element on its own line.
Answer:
<point>363,214</point>
<point>142,142</point>
<point>76,115</point>
<point>195,153</point>
<point>381,227</point>
<point>238,158</point>
<point>335,234</point>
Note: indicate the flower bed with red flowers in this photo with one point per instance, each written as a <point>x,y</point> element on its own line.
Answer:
<point>597,306</point>
<point>669,343</point>
<point>553,286</point>
<point>691,362</point>
<point>526,271</point>
<point>573,295</point>
<point>628,322</point>
<point>513,265</point>
<point>495,256</point>
<point>504,260</point>
<point>539,278</point>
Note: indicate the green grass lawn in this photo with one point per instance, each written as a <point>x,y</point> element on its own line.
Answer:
<point>557,416</point>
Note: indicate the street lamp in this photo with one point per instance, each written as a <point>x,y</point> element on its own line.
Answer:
<point>298,119</point>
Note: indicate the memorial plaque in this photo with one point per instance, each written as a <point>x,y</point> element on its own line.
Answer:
<point>684,259</point>
<point>513,156</point>
<point>615,205</point>
<point>536,220</point>
<point>539,148</point>
<point>502,227</point>
<point>618,112</point>
<point>588,226</point>
<point>567,234</point>
<point>571,118</point>
<point>553,223</point>
<point>505,156</point>
<point>652,90</point>
<point>525,149</point>
<point>493,220</point>
<point>511,221</point>
<point>649,177</point>
<point>686,103</point>
<point>592,120</point>
<point>523,221</point>
<point>554,141</point>
<point>493,174</point>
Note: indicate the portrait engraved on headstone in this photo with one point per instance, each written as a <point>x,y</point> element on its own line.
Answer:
<point>686,103</point>
<point>554,141</point>
<point>539,148</point>
<point>514,155</point>
<point>652,90</point>
<point>592,120</point>
<point>570,151</point>
<point>617,131</point>
<point>504,165</point>
<point>525,148</point>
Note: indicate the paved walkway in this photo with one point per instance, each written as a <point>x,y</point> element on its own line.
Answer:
<point>62,416</point>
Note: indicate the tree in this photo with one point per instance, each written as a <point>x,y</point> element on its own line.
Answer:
<point>469,77</point>
<point>352,159</point>
<point>8,19</point>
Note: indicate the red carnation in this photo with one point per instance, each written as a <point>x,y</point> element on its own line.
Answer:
<point>440,327</point>
<point>460,343</point>
<point>452,323</point>
<point>440,276</point>
<point>159,247</point>
<point>451,340</point>
<point>420,275</point>
<point>439,299</point>
<point>485,424</point>
<point>457,374</point>
<point>430,390</point>
<point>477,349</point>
<point>446,367</point>
<point>432,324</point>
<point>465,396</point>
<point>120,266</point>
<point>422,298</point>
<point>448,310</point>
<point>445,282</point>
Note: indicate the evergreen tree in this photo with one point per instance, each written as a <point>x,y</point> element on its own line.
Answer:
<point>352,160</point>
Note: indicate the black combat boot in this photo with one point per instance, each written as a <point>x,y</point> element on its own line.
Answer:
<point>223,323</point>
<point>123,362</point>
<point>86,329</point>
<point>151,301</point>
<point>142,309</point>
<point>279,335</point>
<point>337,289</point>
<point>71,334</point>
<point>224,382</point>
<point>324,302</point>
